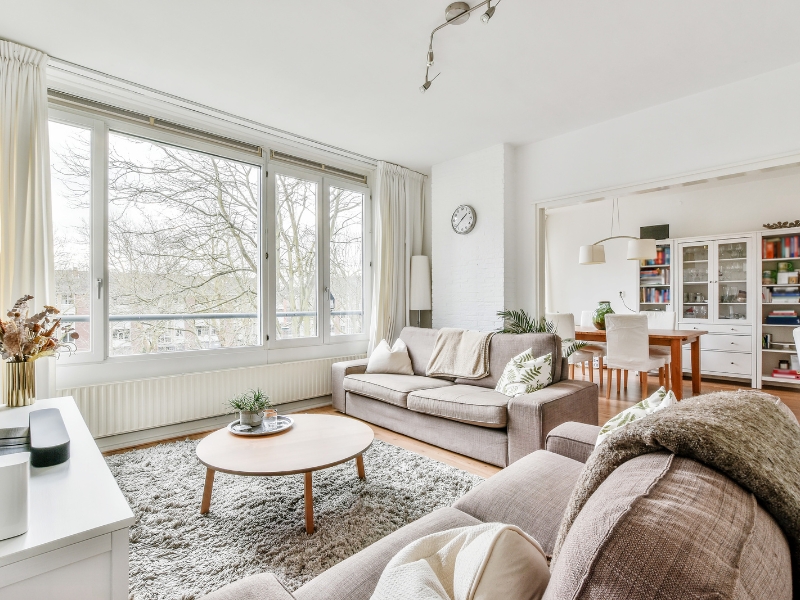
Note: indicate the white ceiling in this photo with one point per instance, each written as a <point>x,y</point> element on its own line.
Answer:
<point>347,72</point>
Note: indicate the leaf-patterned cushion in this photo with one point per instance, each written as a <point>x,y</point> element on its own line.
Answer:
<point>658,401</point>
<point>525,374</point>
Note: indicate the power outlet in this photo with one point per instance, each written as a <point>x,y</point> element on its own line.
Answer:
<point>621,294</point>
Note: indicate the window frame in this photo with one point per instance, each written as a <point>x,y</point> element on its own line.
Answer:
<point>324,183</point>
<point>79,365</point>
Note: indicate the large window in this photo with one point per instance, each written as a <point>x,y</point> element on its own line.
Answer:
<point>319,242</point>
<point>71,185</point>
<point>161,245</point>
<point>182,249</point>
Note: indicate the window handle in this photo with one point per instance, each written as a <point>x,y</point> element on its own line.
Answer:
<point>99,288</point>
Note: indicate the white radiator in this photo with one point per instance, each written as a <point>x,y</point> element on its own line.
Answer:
<point>125,406</point>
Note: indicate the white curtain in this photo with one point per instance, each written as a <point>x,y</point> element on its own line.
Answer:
<point>26,223</point>
<point>398,210</point>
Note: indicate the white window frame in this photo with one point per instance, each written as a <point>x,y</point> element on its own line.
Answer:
<point>324,183</point>
<point>101,127</point>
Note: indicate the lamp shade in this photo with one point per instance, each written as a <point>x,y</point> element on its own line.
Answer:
<point>420,292</point>
<point>641,249</point>
<point>592,255</point>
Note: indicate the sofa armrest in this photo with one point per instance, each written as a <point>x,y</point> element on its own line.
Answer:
<point>573,440</point>
<point>532,416</point>
<point>263,586</point>
<point>339,371</point>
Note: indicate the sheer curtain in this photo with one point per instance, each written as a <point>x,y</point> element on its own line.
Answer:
<point>26,224</point>
<point>398,212</point>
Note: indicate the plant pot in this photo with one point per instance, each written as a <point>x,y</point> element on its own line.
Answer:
<point>251,417</point>
<point>19,383</point>
<point>599,314</point>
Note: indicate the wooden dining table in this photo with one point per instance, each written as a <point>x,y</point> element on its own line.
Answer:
<point>674,339</point>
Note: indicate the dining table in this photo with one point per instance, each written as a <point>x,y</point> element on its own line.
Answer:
<point>674,339</point>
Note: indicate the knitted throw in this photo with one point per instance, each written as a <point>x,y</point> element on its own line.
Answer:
<point>744,435</point>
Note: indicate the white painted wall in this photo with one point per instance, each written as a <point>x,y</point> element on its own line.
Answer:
<point>470,282</point>
<point>729,206</point>
<point>744,122</point>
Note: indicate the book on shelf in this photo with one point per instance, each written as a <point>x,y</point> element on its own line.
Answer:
<point>785,374</point>
<point>781,247</point>
<point>654,295</point>
<point>782,317</point>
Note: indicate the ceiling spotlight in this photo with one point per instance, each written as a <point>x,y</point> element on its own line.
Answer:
<point>424,87</point>
<point>488,14</point>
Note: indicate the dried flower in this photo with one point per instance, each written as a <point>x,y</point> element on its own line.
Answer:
<point>24,338</point>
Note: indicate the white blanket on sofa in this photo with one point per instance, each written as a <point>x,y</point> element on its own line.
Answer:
<point>460,353</point>
<point>481,562</point>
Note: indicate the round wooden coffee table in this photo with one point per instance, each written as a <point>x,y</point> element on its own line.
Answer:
<point>314,442</point>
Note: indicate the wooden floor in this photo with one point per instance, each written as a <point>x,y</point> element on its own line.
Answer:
<point>607,409</point>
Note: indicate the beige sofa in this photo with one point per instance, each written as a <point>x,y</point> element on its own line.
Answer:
<point>660,526</point>
<point>466,416</point>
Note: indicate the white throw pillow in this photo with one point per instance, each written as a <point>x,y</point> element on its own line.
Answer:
<point>390,360</point>
<point>658,401</point>
<point>482,562</point>
<point>525,374</point>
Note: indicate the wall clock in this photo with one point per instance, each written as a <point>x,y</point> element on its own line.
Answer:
<point>463,219</point>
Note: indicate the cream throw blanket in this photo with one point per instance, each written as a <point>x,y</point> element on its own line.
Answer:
<point>460,353</point>
<point>745,435</point>
<point>482,562</point>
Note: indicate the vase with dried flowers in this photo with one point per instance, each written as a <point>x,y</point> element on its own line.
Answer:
<point>25,338</point>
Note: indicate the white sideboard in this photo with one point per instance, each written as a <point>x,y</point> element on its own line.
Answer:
<point>76,546</point>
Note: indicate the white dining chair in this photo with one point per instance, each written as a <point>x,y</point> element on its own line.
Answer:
<point>596,348</point>
<point>662,319</point>
<point>565,329</point>
<point>628,349</point>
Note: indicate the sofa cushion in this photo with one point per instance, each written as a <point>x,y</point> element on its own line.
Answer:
<point>573,440</point>
<point>356,577</point>
<point>505,346</point>
<point>390,388</point>
<point>464,403</point>
<point>666,527</point>
<point>532,494</point>
<point>419,342</point>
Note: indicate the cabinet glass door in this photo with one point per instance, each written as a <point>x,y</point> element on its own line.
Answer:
<point>732,290</point>
<point>695,281</point>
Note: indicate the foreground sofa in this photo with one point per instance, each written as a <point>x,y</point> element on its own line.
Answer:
<point>659,526</point>
<point>466,416</point>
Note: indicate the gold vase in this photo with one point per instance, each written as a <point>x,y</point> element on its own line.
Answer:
<point>19,383</point>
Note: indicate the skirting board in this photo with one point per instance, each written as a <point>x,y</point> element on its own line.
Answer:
<point>156,434</point>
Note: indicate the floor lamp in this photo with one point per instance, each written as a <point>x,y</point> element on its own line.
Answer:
<point>419,297</point>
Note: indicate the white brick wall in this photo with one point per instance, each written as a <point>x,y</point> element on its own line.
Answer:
<point>469,271</point>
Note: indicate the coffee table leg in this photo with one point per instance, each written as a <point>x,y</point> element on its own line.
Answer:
<point>309,497</point>
<point>360,466</point>
<point>206,503</point>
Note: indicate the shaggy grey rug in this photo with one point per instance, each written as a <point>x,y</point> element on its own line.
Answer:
<point>256,524</point>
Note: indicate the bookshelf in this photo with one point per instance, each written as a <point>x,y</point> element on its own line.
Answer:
<point>780,302</point>
<point>655,279</point>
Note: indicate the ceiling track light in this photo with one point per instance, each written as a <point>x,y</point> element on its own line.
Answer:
<point>455,14</point>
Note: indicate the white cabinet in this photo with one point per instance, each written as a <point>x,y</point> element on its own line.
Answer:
<point>715,290</point>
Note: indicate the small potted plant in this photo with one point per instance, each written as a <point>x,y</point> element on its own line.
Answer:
<point>252,407</point>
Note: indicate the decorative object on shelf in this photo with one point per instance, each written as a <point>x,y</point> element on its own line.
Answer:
<point>456,13</point>
<point>766,341</point>
<point>463,219</point>
<point>24,339</point>
<point>419,296</point>
<point>638,248</point>
<point>599,314</point>
<point>782,224</point>
<point>783,365</point>
<point>251,406</point>
<point>14,494</point>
